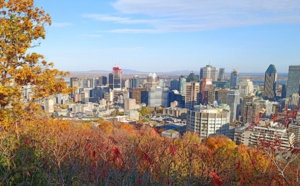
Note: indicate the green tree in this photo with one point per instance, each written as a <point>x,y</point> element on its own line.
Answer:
<point>145,111</point>
<point>22,26</point>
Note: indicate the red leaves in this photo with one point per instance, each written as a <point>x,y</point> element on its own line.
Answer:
<point>254,161</point>
<point>147,157</point>
<point>216,181</point>
<point>172,149</point>
<point>116,151</point>
<point>238,165</point>
<point>138,181</point>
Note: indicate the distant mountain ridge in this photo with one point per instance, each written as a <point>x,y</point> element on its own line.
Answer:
<point>175,72</point>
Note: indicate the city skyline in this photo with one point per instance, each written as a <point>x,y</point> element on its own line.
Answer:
<point>169,36</point>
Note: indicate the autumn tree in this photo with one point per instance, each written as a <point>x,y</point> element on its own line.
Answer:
<point>145,111</point>
<point>22,26</point>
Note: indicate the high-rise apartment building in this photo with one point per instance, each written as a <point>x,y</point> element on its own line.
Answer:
<point>207,121</point>
<point>270,83</point>
<point>293,80</point>
<point>251,113</point>
<point>209,72</point>
<point>234,79</point>
<point>191,96</point>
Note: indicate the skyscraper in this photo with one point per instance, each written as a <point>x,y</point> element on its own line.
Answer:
<point>174,84</point>
<point>182,85</point>
<point>246,87</point>
<point>234,79</point>
<point>221,76</point>
<point>293,80</point>
<point>233,100</point>
<point>270,83</point>
<point>117,72</point>
<point>209,72</point>
<point>111,80</point>
<point>191,97</point>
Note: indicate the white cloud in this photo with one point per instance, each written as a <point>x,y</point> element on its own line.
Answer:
<point>195,15</point>
<point>63,24</point>
<point>136,31</point>
<point>122,20</point>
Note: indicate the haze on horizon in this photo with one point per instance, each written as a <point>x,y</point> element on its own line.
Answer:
<point>170,35</point>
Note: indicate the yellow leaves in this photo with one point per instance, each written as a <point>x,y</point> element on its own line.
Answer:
<point>217,142</point>
<point>21,24</point>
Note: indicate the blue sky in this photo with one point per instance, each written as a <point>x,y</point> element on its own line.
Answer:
<point>167,35</point>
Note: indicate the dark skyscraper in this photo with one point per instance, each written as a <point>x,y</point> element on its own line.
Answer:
<point>234,79</point>
<point>270,83</point>
<point>221,76</point>
<point>283,91</point>
<point>111,80</point>
<point>174,84</point>
<point>103,80</point>
<point>293,80</point>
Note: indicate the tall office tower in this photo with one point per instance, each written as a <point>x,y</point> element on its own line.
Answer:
<point>192,77</point>
<point>134,82</point>
<point>233,100</point>
<point>270,83</point>
<point>234,79</point>
<point>158,96</point>
<point>209,72</point>
<point>111,80</point>
<point>102,80</point>
<point>293,80</point>
<point>191,96</point>
<point>137,95</point>
<point>246,87</point>
<point>74,83</point>
<point>208,121</point>
<point>152,80</point>
<point>182,85</point>
<point>221,76</point>
<point>88,83</point>
<point>283,91</point>
<point>117,73</point>
<point>174,84</point>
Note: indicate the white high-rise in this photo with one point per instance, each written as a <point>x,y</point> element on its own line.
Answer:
<point>209,72</point>
<point>208,121</point>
